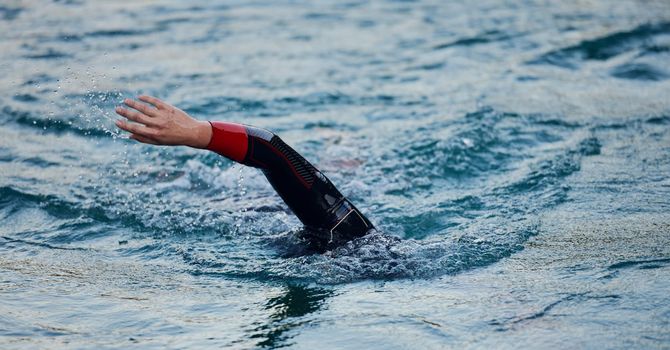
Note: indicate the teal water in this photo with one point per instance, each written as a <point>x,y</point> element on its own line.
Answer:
<point>515,155</point>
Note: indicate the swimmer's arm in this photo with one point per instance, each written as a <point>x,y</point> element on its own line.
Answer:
<point>158,123</point>
<point>307,192</point>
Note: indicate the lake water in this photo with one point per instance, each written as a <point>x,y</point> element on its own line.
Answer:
<point>515,155</point>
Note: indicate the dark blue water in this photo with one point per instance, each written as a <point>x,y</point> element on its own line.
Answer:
<point>515,155</point>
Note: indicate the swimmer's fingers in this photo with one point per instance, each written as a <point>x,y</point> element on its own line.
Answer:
<point>144,139</point>
<point>135,116</point>
<point>154,101</point>
<point>144,108</point>
<point>137,129</point>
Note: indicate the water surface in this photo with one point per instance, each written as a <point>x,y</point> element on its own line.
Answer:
<point>514,154</point>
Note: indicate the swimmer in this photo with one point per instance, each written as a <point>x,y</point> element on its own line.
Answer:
<point>329,218</point>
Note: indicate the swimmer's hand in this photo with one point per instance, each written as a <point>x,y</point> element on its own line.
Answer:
<point>159,123</point>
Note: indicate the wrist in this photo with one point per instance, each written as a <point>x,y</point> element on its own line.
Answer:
<point>202,134</point>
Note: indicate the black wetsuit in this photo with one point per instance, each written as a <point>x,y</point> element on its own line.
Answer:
<point>330,219</point>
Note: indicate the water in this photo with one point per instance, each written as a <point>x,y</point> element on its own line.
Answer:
<point>515,154</point>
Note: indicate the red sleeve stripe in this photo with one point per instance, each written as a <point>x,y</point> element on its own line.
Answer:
<point>229,140</point>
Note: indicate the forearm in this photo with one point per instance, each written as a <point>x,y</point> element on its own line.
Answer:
<point>229,140</point>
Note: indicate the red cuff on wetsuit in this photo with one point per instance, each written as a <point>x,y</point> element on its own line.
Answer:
<point>229,140</point>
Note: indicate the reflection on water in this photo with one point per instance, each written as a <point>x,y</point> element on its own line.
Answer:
<point>288,313</point>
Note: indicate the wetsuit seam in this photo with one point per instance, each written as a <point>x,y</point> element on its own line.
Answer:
<point>251,155</point>
<point>295,172</point>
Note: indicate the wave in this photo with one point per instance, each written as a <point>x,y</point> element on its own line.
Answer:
<point>638,71</point>
<point>484,142</point>
<point>289,104</point>
<point>483,38</point>
<point>51,125</point>
<point>48,54</point>
<point>12,199</point>
<point>508,323</point>
<point>640,39</point>
<point>640,264</point>
<point>90,114</point>
<point>10,13</point>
